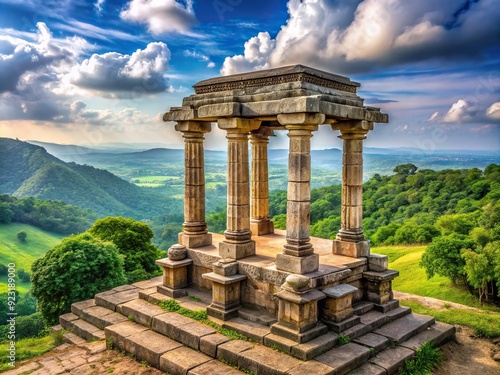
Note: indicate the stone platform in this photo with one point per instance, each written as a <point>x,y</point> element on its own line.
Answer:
<point>129,319</point>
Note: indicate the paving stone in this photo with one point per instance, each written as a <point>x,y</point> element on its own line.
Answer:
<point>362,307</point>
<point>368,369</point>
<point>209,343</point>
<point>24,369</point>
<point>405,327</point>
<point>149,346</point>
<point>372,340</point>
<point>120,331</point>
<point>179,361</point>
<point>252,330</point>
<point>169,323</point>
<point>78,307</point>
<point>345,358</point>
<point>312,368</point>
<point>73,362</point>
<point>52,365</point>
<point>230,351</point>
<point>214,367</point>
<point>263,360</point>
<point>392,359</point>
<point>315,347</point>
<point>94,347</point>
<point>140,311</point>
<point>436,334</point>
<point>111,301</point>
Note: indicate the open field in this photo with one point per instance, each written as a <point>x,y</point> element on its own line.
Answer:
<point>23,254</point>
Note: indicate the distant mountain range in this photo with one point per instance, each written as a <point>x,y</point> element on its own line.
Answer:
<point>29,170</point>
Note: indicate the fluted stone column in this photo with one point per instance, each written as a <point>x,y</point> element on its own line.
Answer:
<point>260,224</point>
<point>298,253</point>
<point>238,236</point>
<point>350,240</point>
<point>195,233</point>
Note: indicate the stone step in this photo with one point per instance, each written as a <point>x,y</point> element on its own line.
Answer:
<point>71,322</point>
<point>71,338</point>
<point>117,296</point>
<point>403,328</point>
<point>362,307</point>
<point>140,311</point>
<point>101,317</point>
<point>252,330</point>
<point>345,358</point>
<point>257,316</point>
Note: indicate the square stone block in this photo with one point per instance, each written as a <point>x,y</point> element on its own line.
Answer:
<point>377,262</point>
<point>236,250</point>
<point>298,265</point>
<point>195,240</point>
<point>351,249</point>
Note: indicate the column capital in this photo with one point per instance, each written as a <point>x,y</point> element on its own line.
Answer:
<point>288,119</point>
<point>349,128</point>
<point>238,125</point>
<point>193,127</point>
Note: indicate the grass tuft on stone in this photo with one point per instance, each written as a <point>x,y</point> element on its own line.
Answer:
<point>426,359</point>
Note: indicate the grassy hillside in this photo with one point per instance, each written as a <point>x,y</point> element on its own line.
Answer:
<point>27,170</point>
<point>24,254</point>
<point>413,279</point>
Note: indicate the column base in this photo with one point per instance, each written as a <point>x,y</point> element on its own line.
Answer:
<point>195,240</point>
<point>300,337</point>
<point>171,292</point>
<point>351,249</point>
<point>262,227</point>
<point>236,250</point>
<point>297,265</point>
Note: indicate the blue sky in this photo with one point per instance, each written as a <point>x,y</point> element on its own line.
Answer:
<point>92,72</point>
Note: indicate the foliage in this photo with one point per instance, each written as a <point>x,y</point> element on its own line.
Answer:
<point>74,270</point>
<point>217,221</point>
<point>23,275</point>
<point>426,359</point>
<point>22,235</point>
<point>443,257</point>
<point>54,216</point>
<point>133,240</point>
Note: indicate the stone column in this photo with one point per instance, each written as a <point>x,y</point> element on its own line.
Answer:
<point>195,233</point>
<point>350,239</point>
<point>238,237</point>
<point>260,223</point>
<point>298,255</point>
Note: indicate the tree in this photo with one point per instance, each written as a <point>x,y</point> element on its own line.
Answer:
<point>23,275</point>
<point>479,268</point>
<point>443,257</point>
<point>133,240</point>
<point>21,235</point>
<point>75,270</point>
<point>406,169</point>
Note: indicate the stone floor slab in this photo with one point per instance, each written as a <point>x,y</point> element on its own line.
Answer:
<point>209,343</point>
<point>191,334</point>
<point>252,330</point>
<point>436,334</point>
<point>140,311</point>
<point>263,360</point>
<point>169,323</point>
<point>181,360</point>
<point>111,301</point>
<point>392,359</point>
<point>372,340</point>
<point>71,338</point>
<point>95,314</point>
<point>118,332</point>
<point>151,283</point>
<point>78,307</point>
<point>149,346</point>
<point>214,367</point>
<point>405,327</point>
<point>345,358</point>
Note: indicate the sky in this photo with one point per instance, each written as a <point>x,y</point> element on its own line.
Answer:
<point>100,71</point>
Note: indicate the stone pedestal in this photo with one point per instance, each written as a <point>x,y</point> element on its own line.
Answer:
<point>226,295</point>
<point>350,239</point>
<point>298,253</point>
<point>260,224</point>
<point>175,272</point>
<point>338,314</point>
<point>238,241</point>
<point>298,311</point>
<point>378,286</point>
<point>195,233</point>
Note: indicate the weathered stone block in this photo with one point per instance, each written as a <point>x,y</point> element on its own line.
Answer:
<point>297,265</point>
<point>351,249</point>
<point>181,360</point>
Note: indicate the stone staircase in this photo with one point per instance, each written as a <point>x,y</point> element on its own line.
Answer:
<point>376,340</point>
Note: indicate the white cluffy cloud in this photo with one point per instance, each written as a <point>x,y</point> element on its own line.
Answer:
<point>466,111</point>
<point>359,36</point>
<point>493,111</point>
<point>141,72</point>
<point>161,16</point>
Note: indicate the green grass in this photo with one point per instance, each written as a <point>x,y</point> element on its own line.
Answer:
<point>155,181</point>
<point>23,254</point>
<point>426,359</point>
<point>484,323</point>
<point>26,349</point>
<point>413,279</point>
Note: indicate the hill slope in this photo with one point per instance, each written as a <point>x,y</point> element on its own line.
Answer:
<point>28,170</point>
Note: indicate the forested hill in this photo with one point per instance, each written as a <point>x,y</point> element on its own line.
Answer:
<point>28,170</point>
